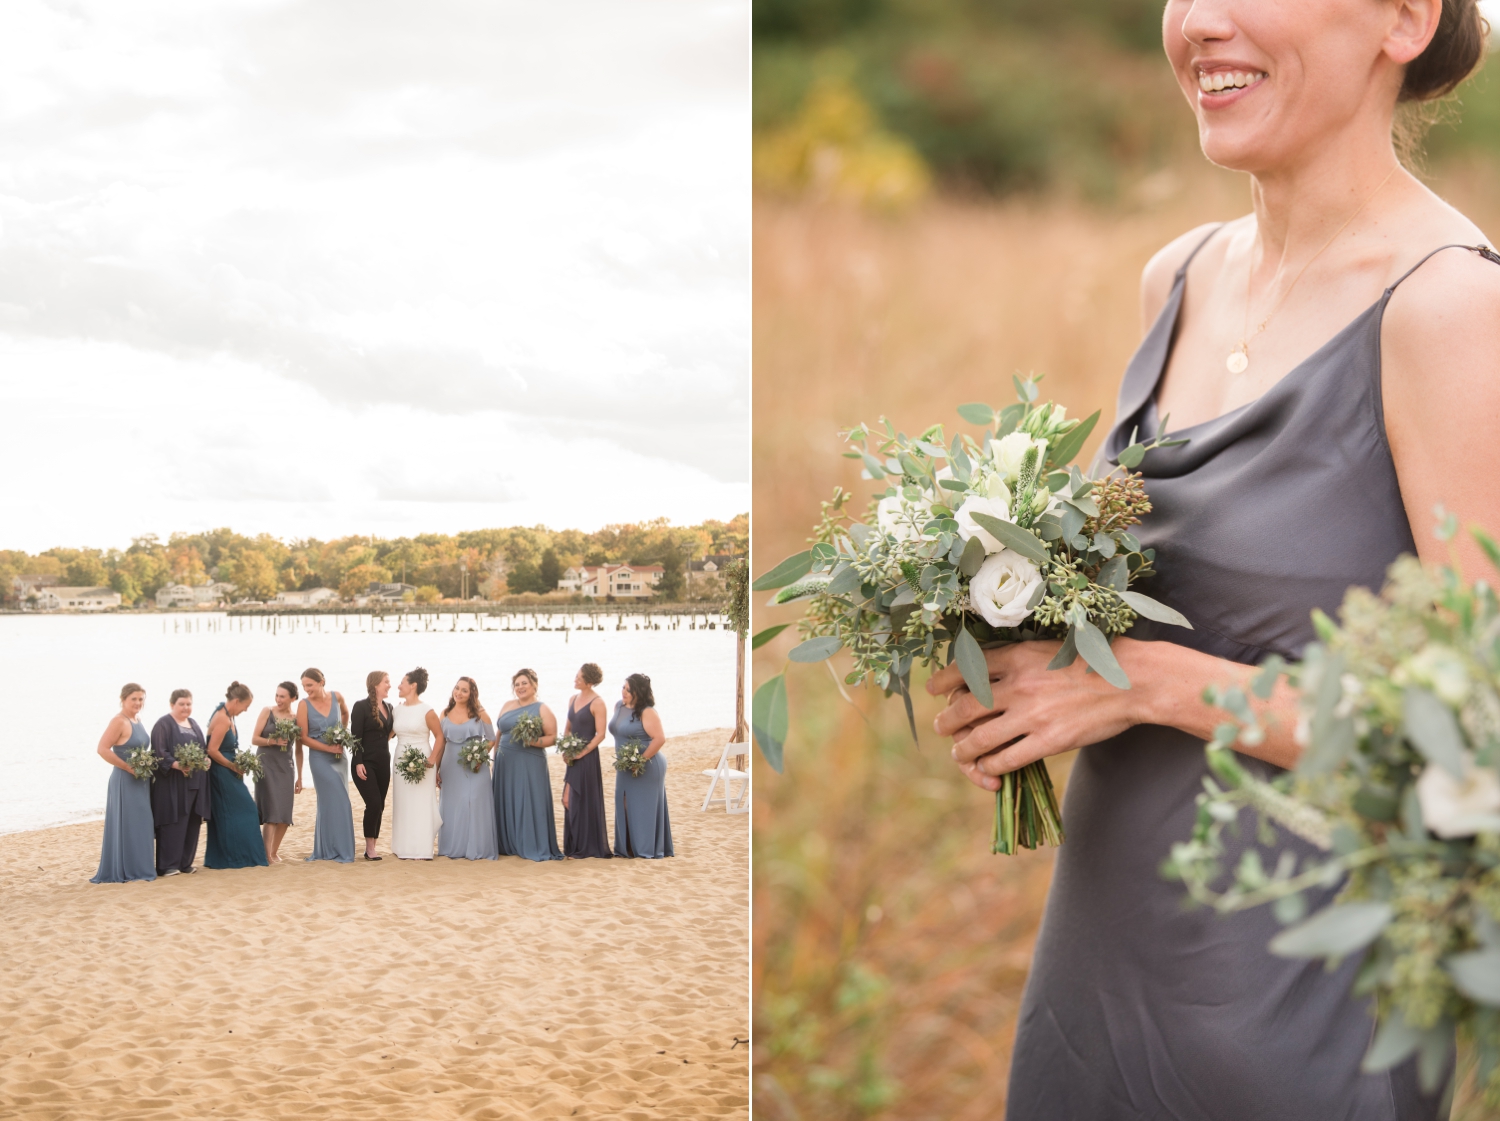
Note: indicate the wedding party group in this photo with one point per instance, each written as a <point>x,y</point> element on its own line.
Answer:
<point>467,786</point>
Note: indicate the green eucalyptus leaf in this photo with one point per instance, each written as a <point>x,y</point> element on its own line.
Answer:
<point>977,413</point>
<point>817,649</point>
<point>973,557</point>
<point>1096,652</point>
<point>1153,609</point>
<point>1430,726</point>
<point>1114,573</point>
<point>1014,537</point>
<point>768,720</point>
<point>765,636</point>
<point>845,581</point>
<point>1131,457</point>
<point>1394,1042</point>
<point>1068,445</point>
<point>1487,543</point>
<point>1334,931</point>
<point>971,664</point>
<point>1477,975</point>
<point>793,568</point>
<point>873,466</point>
<point>1072,519</point>
<point>1067,654</point>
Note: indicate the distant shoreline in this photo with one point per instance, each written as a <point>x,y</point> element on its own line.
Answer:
<point>712,611</point>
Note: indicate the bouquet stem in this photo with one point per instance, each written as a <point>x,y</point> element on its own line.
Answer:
<point>1026,811</point>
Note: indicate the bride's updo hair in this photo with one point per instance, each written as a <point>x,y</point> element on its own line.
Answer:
<point>418,678</point>
<point>1456,49</point>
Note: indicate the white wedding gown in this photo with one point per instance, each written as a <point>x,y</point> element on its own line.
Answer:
<point>415,808</point>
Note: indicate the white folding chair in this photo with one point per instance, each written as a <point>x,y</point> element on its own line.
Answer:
<point>726,774</point>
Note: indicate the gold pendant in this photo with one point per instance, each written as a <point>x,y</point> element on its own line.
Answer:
<point>1238,361</point>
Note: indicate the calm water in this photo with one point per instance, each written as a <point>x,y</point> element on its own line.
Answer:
<point>64,673</point>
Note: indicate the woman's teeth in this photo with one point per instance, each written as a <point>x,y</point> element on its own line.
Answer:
<point>1227,80</point>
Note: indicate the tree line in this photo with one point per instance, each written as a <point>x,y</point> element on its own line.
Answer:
<point>486,562</point>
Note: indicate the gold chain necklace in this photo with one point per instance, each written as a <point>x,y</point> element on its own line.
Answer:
<point>1239,358</point>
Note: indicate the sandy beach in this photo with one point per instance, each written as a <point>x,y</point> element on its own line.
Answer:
<point>397,989</point>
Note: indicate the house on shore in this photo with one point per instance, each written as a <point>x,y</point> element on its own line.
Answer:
<point>23,586</point>
<point>310,598</point>
<point>390,593</point>
<point>212,594</point>
<point>708,566</point>
<point>62,598</point>
<point>622,581</point>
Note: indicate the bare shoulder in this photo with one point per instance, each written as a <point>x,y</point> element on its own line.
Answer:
<point>1160,272</point>
<point>1442,327</point>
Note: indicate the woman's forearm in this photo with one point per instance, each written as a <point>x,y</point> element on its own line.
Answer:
<point>1167,689</point>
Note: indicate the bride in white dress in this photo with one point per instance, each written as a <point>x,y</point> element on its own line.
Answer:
<point>415,811</point>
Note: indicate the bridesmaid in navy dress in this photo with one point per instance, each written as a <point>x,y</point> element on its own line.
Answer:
<point>642,827</point>
<point>467,831</point>
<point>525,824</point>
<point>584,830</point>
<point>333,828</point>
<point>126,854</point>
<point>234,839</point>
<point>180,802</point>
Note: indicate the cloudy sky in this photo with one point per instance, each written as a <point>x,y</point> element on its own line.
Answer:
<point>318,267</point>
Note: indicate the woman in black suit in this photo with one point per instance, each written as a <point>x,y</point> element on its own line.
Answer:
<point>370,721</point>
<point>179,802</point>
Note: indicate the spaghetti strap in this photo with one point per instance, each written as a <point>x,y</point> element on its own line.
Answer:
<point>1483,250</point>
<point>1182,268</point>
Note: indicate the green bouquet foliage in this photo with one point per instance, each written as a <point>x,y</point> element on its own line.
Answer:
<point>527,730</point>
<point>284,733</point>
<point>336,735</point>
<point>142,762</point>
<point>974,543</point>
<point>249,765</point>
<point>1397,793</point>
<point>629,757</point>
<point>412,765</point>
<point>570,747</point>
<point>191,757</point>
<point>474,753</point>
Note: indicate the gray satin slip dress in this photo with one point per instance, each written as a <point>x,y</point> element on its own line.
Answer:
<point>1137,1008</point>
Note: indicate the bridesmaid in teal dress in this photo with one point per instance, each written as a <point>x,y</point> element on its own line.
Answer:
<point>128,852</point>
<point>525,824</point>
<point>642,827</point>
<point>234,839</point>
<point>333,828</point>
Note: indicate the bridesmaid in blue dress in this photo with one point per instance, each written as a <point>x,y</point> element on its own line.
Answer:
<point>524,821</point>
<point>333,828</point>
<point>642,827</point>
<point>234,839</point>
<point>129,831</point>
<point>468,810</point>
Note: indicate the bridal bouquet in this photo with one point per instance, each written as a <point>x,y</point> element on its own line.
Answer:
<point>412,765</point>
<point>191,757</point>
<point>336,735</point>
<point>474,753</point>
<point>570,747</point>
<point>142,761</point>
<point>249,765</point>
<point>527,730</point>
<point>974,542</point>
<point>284,732</point>
<point>628,757</point>
<point>1398,795</point>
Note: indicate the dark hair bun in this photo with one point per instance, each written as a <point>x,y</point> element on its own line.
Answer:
<point>237,692</point>
<point>290,687</point>
<point>418,677</point>
<point>1456,49</point>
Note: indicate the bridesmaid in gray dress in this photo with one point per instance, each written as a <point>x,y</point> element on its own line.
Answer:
<point>642,827</point>
<point>467,831</point>
<point>333,827</point>
<point>276,791</point>
<point>525,824</point>
<point>1311,466</point>
<point>128,852</point>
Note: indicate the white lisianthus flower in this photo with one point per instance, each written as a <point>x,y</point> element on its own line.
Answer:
<point>1455,807</point>
<point>1008,452</point>
<point>1002,588</point>
<point>902,518</point>
<point>969,528</point>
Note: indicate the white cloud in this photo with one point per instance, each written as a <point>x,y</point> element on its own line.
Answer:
<point>530,219</point>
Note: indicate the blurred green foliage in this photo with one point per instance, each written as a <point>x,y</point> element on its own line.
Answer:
<point>998,96</point>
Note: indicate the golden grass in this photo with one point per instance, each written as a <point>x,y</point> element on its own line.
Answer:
<point>890,947</point>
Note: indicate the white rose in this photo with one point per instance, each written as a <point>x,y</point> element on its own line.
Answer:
<point>1442,670</point>
<point>980,504</point>
<point>1456,808</point>
<point>901,518</point>
<point>1002,588</point>
<point>1010,450</point>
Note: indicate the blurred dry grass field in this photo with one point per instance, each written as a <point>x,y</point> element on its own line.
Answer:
<point>890,947</point>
